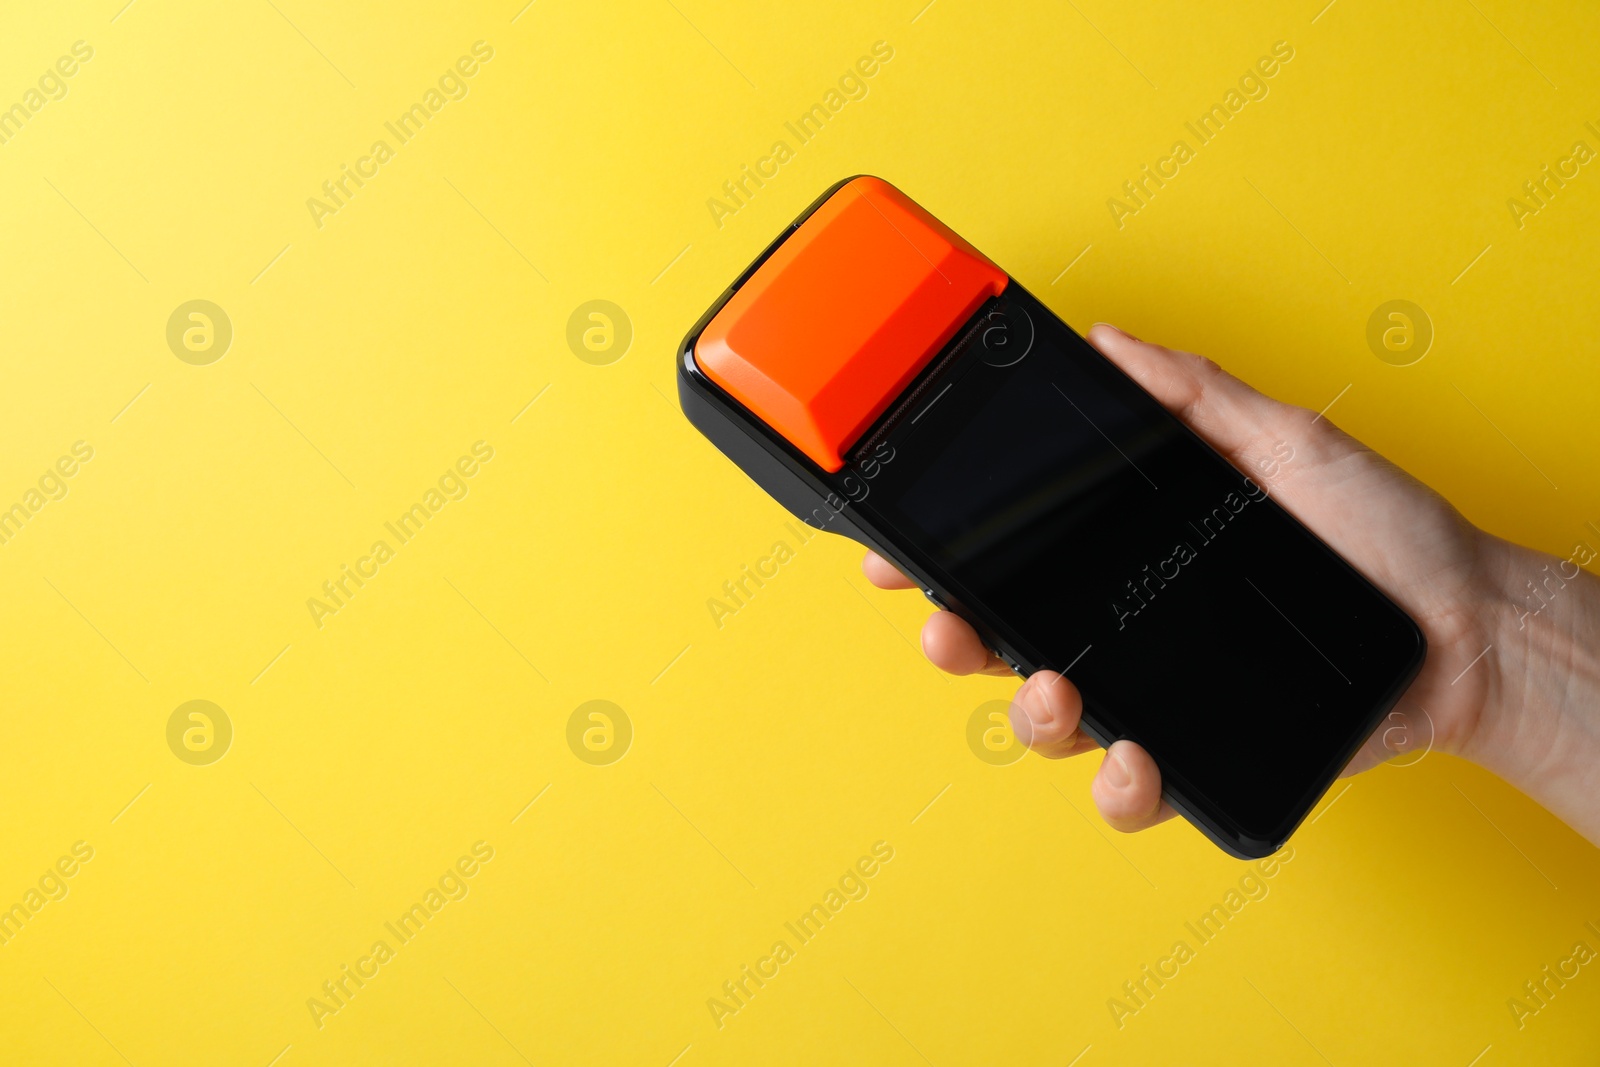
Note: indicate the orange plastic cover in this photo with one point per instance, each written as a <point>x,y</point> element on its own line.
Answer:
<point>836,323</point>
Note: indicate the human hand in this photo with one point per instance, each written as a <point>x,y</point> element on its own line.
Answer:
<point>1494,687</point>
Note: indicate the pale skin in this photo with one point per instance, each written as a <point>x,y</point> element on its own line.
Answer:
<point>1528,709</point>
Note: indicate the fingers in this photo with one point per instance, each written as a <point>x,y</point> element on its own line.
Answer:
<point>883,574</point>
<point>953,646</point>
<point>947,640</point>
<point>1232,417</point>
<point>1127,790</point>
<point>1045,715</point>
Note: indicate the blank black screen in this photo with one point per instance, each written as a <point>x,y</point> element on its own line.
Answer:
<point>1061,508</point>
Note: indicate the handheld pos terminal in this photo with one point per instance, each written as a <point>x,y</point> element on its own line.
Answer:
<point>882,379</point>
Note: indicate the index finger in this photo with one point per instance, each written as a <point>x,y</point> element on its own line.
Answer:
<point>883,574</point>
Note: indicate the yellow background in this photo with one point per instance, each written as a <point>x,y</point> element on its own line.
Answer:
<point>770,753</point>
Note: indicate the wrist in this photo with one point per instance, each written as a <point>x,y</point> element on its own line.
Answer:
<point>1539,723</point>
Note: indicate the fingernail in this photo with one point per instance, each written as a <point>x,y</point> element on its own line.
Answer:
<point>1021,725</point>
<point>1031,697</point>
<point>1117,328</point>
<point>1028,713</point>
<point>1116,772</point>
